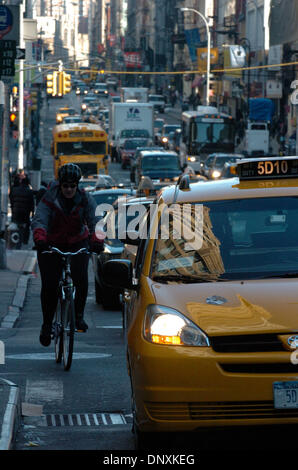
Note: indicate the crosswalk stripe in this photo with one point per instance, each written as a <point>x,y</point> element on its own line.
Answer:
<point>87,419</point>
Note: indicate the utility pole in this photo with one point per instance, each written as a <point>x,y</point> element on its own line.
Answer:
<point>4,100</point>
<point>22,160</point>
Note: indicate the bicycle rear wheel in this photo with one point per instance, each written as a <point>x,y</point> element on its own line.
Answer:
<point>57,333</point>
<point>68,332</point>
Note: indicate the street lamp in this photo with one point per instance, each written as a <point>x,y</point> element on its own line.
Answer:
<point>208,50</point>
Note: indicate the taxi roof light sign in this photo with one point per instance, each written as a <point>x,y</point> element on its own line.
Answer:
<point>268,168</point>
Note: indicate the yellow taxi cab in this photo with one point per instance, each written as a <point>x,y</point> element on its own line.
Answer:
<point>63,112</point>
<point>212,310</point>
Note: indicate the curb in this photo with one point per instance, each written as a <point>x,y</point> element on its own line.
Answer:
<point>15,308</point>
<point>12,415</point>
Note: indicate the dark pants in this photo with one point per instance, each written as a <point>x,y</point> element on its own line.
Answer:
<point>50,266</point>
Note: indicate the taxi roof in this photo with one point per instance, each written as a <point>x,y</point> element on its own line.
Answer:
<point>235,188</point>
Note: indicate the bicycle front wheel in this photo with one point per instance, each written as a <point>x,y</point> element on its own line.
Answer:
<point>57,333</point>
<point>68,332</point>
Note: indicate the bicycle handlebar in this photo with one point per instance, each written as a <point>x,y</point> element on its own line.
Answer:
<point>67,253</point>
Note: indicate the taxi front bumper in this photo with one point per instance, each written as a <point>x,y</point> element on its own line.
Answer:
<point>187,388</point>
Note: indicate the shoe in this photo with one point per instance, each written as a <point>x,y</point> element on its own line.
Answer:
<point>81,325</point>
<point>45,335</point>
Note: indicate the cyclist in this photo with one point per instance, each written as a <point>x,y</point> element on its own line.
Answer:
<point>65,218</point>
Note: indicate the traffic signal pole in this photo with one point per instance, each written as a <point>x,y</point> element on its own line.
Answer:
<point>4,100</point>
<point>22,162</point>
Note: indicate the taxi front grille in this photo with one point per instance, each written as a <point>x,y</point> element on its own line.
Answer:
<point>246,343</point>
<point>260,368</point>
<point>204,411</point>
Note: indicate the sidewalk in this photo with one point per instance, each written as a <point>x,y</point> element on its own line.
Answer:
<point>13,287</point>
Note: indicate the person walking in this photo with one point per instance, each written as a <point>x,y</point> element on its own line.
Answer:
<point>41,191</point>
<point>64,218</point>
<point>22,205</point>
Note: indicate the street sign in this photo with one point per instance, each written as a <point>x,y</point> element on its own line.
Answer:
<point>10,22</point>
<point>21,54</point>
<point>8,53</point>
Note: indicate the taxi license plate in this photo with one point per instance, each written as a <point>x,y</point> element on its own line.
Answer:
<point>285,395</point>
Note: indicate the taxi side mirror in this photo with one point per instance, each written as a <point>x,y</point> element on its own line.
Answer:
<point>118,273</point>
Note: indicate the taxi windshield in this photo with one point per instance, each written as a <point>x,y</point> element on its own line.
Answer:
<point>230,240</point>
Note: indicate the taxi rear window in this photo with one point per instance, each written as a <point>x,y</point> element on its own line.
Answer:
<point>241,239</point>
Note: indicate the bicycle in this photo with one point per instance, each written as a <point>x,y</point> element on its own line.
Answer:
<point>63,328</point>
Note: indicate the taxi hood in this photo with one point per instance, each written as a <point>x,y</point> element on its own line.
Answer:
<point>239,307</point>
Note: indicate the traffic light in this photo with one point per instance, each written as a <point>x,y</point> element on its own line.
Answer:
<point>34,98</point>
<point>60,78</point>
<point>66,83</point>
<point>13,121</point>
<point>50,85</point>
<point>12,117</point>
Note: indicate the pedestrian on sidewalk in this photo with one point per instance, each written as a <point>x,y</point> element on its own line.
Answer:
<point>22,204</point>
<point>64,218</point>
<point>41,191</point>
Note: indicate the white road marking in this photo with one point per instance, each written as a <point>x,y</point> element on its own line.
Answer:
<point>118,327</point>
<point>49,356</point>
<point>43,391</point>
<point>116,418</point>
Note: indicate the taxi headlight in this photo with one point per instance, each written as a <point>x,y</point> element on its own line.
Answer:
<point>191,159</point>
<point>216,174</point>
<point>165,325</point>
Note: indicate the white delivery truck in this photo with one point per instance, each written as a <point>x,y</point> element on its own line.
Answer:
<point>256,139</point>
<point>134,94</point>
<point>129,120</point>
<point>257,135</point>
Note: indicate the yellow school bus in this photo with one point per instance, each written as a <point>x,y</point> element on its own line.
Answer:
<point>84,144</point>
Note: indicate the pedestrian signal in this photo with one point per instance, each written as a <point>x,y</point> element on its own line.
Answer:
<point>12,117</point>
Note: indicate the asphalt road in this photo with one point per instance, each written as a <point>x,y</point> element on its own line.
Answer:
<point>87,408</point>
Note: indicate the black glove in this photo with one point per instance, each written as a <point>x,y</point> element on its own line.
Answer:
<point>96,247</point>
<point>41,245</point>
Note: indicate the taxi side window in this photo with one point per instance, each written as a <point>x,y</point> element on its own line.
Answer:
<point>145,223</point>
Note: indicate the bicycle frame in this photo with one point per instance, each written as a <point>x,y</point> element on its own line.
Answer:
<point>64,326</point>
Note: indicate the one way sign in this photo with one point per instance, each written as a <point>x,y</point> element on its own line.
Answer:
<point>21,54</point>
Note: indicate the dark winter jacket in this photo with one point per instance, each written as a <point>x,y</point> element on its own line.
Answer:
<point>60,222</point>
<point>40,193</point>
<point>22,203</point>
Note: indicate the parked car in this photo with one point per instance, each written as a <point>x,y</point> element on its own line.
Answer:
<point>158,125</point>
<point>72,119</point>
<point>165,132</point>
<point>105,182</point>
<point>159,165</point>
<point>88,184</point>
<point>91,103</point>
<point>101,89</point>
<point>158,101</point>
<point>228,170</point>
<point>116,244</point>
<point>135,156</point>
<point>128,150</point>
<point>82,90</point>
<point>115,99</point>
<point>63,112</point>
<point>214,163</point>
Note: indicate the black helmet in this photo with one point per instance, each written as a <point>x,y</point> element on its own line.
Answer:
<point>69,172</point>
